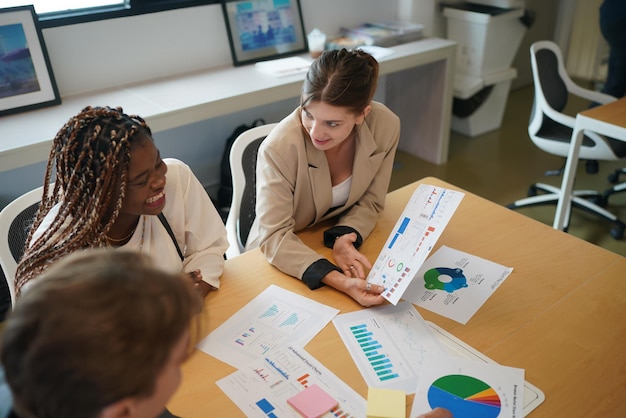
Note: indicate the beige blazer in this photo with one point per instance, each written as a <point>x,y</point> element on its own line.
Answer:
<point>294,189</point>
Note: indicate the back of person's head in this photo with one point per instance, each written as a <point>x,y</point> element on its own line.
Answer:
<point>99,326</point>
<point>341,78</point>
<point>89,160</point>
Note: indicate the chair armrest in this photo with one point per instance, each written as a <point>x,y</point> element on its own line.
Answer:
<point>594,96</point>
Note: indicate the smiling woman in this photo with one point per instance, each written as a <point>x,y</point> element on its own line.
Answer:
<point>330,159</point>
<point>113,189</point>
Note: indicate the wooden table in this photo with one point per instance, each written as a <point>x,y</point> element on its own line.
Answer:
<point>608,120</point>
<point>559,315</point>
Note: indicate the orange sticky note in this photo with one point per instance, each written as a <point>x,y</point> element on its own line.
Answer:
<point>312,402</point>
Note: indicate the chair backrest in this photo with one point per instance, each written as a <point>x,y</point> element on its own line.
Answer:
<point>243,157</point>
<point>551,129</point>
<point>553,87</point>
<point>16,220</point>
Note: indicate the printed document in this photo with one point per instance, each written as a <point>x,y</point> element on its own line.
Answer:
<point>423,220</point>
<point>274,317</point>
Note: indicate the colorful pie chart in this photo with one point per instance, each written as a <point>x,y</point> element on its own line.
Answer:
<point>464,396</point>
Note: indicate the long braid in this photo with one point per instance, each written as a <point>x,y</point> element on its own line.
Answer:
<point>90,156</point>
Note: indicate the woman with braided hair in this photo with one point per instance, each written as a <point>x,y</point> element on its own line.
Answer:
<point>112,189</point>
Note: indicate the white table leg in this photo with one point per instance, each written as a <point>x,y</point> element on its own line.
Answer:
<point>563,206</point>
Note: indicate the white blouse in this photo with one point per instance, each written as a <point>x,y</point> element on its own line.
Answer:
<point>341,192</point>
<point>198,228</point>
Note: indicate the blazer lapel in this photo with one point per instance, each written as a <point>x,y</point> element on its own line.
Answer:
<point>319,174</point>
<point>366,163</point>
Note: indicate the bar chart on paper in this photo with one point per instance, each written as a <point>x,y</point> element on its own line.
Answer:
<point>265,387</point>
<point>379,361</point>
<point>417,230</point>
<point>389,344</point>
<point>273,317</point>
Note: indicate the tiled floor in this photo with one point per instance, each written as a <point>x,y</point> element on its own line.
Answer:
<point>501,165</point>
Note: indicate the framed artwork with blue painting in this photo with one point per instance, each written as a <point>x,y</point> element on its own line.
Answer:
<point>26,79</point>
<point>260,30</point>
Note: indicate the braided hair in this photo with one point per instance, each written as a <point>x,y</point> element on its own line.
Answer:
<point>90,157</point>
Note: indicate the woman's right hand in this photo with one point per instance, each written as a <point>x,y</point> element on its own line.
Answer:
<point>436,413</point>
<point>366,294</point>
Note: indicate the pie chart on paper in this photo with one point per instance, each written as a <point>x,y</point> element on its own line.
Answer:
<point>464,396</point>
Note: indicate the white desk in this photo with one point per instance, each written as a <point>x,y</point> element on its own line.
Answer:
<point>418,87</point>
<point>609,120</point>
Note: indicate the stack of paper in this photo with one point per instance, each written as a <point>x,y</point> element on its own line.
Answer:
<point>284,66</point>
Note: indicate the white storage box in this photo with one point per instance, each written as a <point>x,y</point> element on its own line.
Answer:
<point>479,102</point>
<point>486,43</point>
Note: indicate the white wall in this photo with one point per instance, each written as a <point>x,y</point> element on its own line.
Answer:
<point>98,55</point>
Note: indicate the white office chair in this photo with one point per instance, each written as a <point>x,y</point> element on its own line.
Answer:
<point>551,131</point>
<point>243,156</point>
<point>15,222</point>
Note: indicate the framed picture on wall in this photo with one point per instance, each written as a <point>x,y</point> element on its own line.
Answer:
<point>26,79</point>
<point>259,30</point>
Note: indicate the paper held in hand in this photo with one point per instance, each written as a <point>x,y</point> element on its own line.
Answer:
<point>419,227</point>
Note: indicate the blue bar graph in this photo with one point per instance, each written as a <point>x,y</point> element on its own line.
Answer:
<point>400,231</point>
<point>381,365</point>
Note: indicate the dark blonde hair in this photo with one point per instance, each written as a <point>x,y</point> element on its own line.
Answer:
<point>341,78</point>
<point>90,157</point>
<point>97,327</point>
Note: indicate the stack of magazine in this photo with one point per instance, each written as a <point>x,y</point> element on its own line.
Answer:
<point>383,34</point>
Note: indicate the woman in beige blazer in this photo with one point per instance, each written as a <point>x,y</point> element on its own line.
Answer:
<point>330,158</point>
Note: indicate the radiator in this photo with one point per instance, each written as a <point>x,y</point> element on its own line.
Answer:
<point>587,51</point>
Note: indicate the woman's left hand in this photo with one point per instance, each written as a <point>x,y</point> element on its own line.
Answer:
<point>203,287</point>
<point>348,258</point>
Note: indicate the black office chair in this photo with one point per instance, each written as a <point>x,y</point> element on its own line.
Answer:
<point>551,131</point>
<point>243,157</point>
<point>16,220</point>
<point>617,188</point>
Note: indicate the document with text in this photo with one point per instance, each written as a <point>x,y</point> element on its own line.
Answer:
<point>417,230</point>
<point>455,284</point>
<point>469,388</point>
<point>389,344</point>
<point>262,388</point>
<point>274,317</point>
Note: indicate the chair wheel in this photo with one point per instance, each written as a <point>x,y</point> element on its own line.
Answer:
<point>599,200</point>
<point>617,232</point>
<point>591,166</point>
<point>613,178</point>
<point>532,191</point>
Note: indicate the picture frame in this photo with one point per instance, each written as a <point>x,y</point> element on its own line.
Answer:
<point>26,78</point>
<point>260,30</point>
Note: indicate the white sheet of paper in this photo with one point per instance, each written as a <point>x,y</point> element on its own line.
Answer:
<point>419,227</point>
<point>274,317</point>
<point>377,52</point>
<point>284,66</point>
<point>470,389</point>
<point>455,284</point>
<point>261,389</point>
<point>389,344</point>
